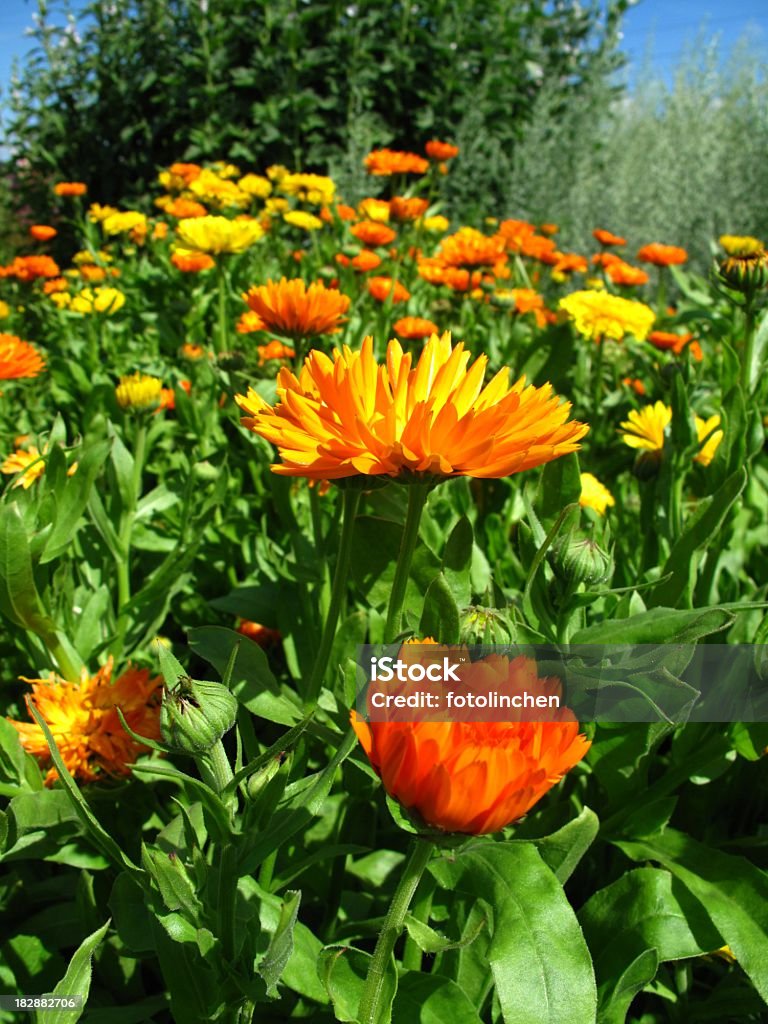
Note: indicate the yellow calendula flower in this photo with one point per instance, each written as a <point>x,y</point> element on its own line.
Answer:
<point>303,220</point>
<point>374,209</point>
<point>276,205</point>
<point>139,391</point>
<point>598,315</point>
<point>5,310</point>
<point>123,222</point>
<point>27,461</point>
<point>94,300</point>
<point>216,235</point>
<point>741,245</point>
<point>83,256</point>
<point>308,188</point>
<point>644,428</point>
<point>98,213</point>
<point>435,225</point>
<point>705,428</point>
<point>276,172</point>
<point>255,185</point>
<point>217,191</point>
<point>595,495</point>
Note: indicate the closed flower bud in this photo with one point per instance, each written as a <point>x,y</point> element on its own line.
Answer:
<point>582,560</point>
<point>745,268</point>
<point>258,782</point>
<point>231,361</point>
<point>484,625</point>
<point>196,714</point>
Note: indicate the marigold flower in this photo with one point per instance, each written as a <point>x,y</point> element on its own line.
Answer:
<point>524,300</point>
<point>537,247</point>
<point>607,238</point>
<point>436,225</point>
<point>598,315</point>
<point>183,208</point>
<point>255,186</point>
<point>190,262</point>
<point>386,162</point>
<point>92,273</point>
<point>138,391</point>
<point>645,428</point>
<point>30,268</point>
<point>55,284</point>
<point>43,232</point>
<point>374,209</point>
<point>168,396</point>
<point>622,273</point>
<point>262,635</point>
<point>308,188</point>
<point>595,495</point>
<point>668,340</point>
<point>348,415</point>
<point>83,719</point>
<point>18,359</point>
<point>274,350</point>
<point>514,233</point>
<point>459,279</point>
<point>124,221</point>
<point>70,188</point>
<point>473,777</point>
<point>97,300</point>
<point>437,150</point>
<point>249,323</point>
<point>373,234</point>
<point>302,219</point>
<point>741,245</point>
<point>365,261</point>
<point>471,248</point>
<point>27,461</point>
<point>412,328</point>
<point>186,171</point>
<point>215,190</point>
<point>5,310</point>
<point>570,263</point>
<point>662,255</point>
<point>97,212</point>
<point>297,311</point>
<point>215,235</point>
<point>407,209</point>
<point>635,384</point>
<point>745,268</point>
<point>189,350</point>
<point>705,428</point>
<point>380,288</point>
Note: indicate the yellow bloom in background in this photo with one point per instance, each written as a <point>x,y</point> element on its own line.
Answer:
<point>120,223</point>
<point>741,245</point>
<point>703,429</point>
<point>598,315</point>
<point>255,185</point>
<point>95,300</point>
<point>86,257</point>
<point>644,428</point>
<point>225,170</point>
<point>216,235</point>
<point>595,495</point>
<point>61,299</point>
<point>5,310</point>
<point>139,391</point>
<point>374,209</point>
<point>435,225</point>
<point>276,205</point>
<point>97,212</point>
<point>308,188</point>
<point>303,220</point>
<point>276,172</point>
<point>217,191</point>
<point>27,461</point>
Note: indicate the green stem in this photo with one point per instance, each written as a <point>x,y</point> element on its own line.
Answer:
<point>126,529</point>
<point>267,871</point>
<point>226,900</point>
<point>421,911</point>
<point>749,346</point>
<point>338,589</point>
<point>417,496</point>
<point>68,669</point>
<point>370,1002</point>
<point>597,376</point>
<point>219,766</point>
<point>222,335</point>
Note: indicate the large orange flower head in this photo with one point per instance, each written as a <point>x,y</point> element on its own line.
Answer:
<point>30,268</point>
<point>474,777</point>
<point>18,358</point>
<point>348,415</point>
<point>386,162</point>
<point>83,719</point>
<point>292,309</point>
<point>662,255</point>
<point>471,248</point>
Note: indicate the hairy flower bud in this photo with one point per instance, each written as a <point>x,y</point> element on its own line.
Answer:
<point>196,714</point>
<point>582,560</point>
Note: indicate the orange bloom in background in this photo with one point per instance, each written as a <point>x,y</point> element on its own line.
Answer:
<point>189,262</point>
<point>526,300</point>
<point>606,259</point>
<point>70,188</point>
<point>474,777</point>
<point>540,248</point>
<point>385,162</point>
<point>42,232</point>
<point>342,211</point>
<point>412,328</point>
<point>274,350</point>
<point>83,719</point>
<point>437,150</point>
<point>92,273</point>
<point>669,341</point>
<point>18,358</point>
<point>189,350</point>
<point>30,268</point>
<point>55,284</point>
<point>407,209</point>
<point>570,263</point>
<point>662,255</point>
<point>622,273</point>
<point>297,311</point>
<point>607,238</point>
<point>249,323</point>
<point>366,260</point>
<point>635,384</point>
<point>515,232</point>
<point>347,415</point>
<point>262,635</point>
<point>372,233</point>
<point>187,172</point>
<point>471,248</point>
<point>548,229</point>
<point>459,279</point>
<point>168,397</point>
<point>381,288</point>
<point>181,208</point>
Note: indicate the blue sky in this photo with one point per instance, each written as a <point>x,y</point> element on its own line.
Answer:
<point>667,24</point>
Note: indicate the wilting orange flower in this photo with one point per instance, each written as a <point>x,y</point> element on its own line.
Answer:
<point>473,777</point>
<point>608,238</point>
<point>30,268</point>
<point>70,188</point>
<point>371,232</point>
<point>407,209</point>
<point>297,311</point>
<point>274,350</point>
<point>18,358</point>
<point>622,273</point>
<point>348,415</point>
<point>662,255</point>
<point>181,208</point>
<point>366,260</point>
<point>83,719</point>
<point>189,262</point>
<point>669,341</point>
<point>262,635</point>
<point>437,150</point>
<point>471,248</point>
<point>414,327</point>
<point>382,287</point>
<point>42,232</point>
<point>385,162</point>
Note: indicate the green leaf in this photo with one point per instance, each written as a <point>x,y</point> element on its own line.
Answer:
<point>431,999</point>
<point>132,917</point>
<point>539,959</point>
<point>77,980</point>
<point>562,850</point>
<point>343,971</point>
<point>280,949</point>
<point>759,351</point>
<point>733,891</point>
<point>440,618</point>
<point>171,878</point>
<point>19,599</point>
<point>74,500</point>
<point>430,941</point>
<point>657,626</point>
<point>560,486</point>
<point>457,562</point>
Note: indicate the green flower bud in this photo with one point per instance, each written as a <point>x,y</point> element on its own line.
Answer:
<point>259,781</point>
<point>231,361</point>
<point>196,714</point>
<point>484,625</point>
<point>582,560</point>
<point>647,465</point>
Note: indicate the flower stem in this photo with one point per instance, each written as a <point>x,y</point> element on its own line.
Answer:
<point>373,991</point>
<point>351,502</point>
<point>222,334</point>
<point>129,514</point>
<point>749,346</point>
<point>417,496</point>
<point>597,376</point>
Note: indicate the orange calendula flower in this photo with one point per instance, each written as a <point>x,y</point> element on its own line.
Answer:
<point>412,328</point>
<point>181,208</point>
<point>374,209</point>
<point>371,232</point>
<point>249,323</point>
<point>382,287</point>
<point>622,273</point>
<point>189,350</point>
<point>540,248</point>
<point>348,415</point>
<point>635,384</point>
<point>70,188</point>
<point>385,162</point>
<point>83,719</point>
<point>514,233</point>
<point>437,150</point>
<point>570,263</point>
<point>607,238</point>
<point>189,262</point>
<point>297,311</point>
<point>274,350</point>
<point>30,268</point>
<point>407,209</point>
<point>27,461</point>
<point>474,777</point>
<point>365,261</point>
<point>669,341</point>
<point>55,284</point>
<point>662,255</point>
<point>262,635</point>
<point>471,248</point>
<point>42,232</point>
<point>18,358</point>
